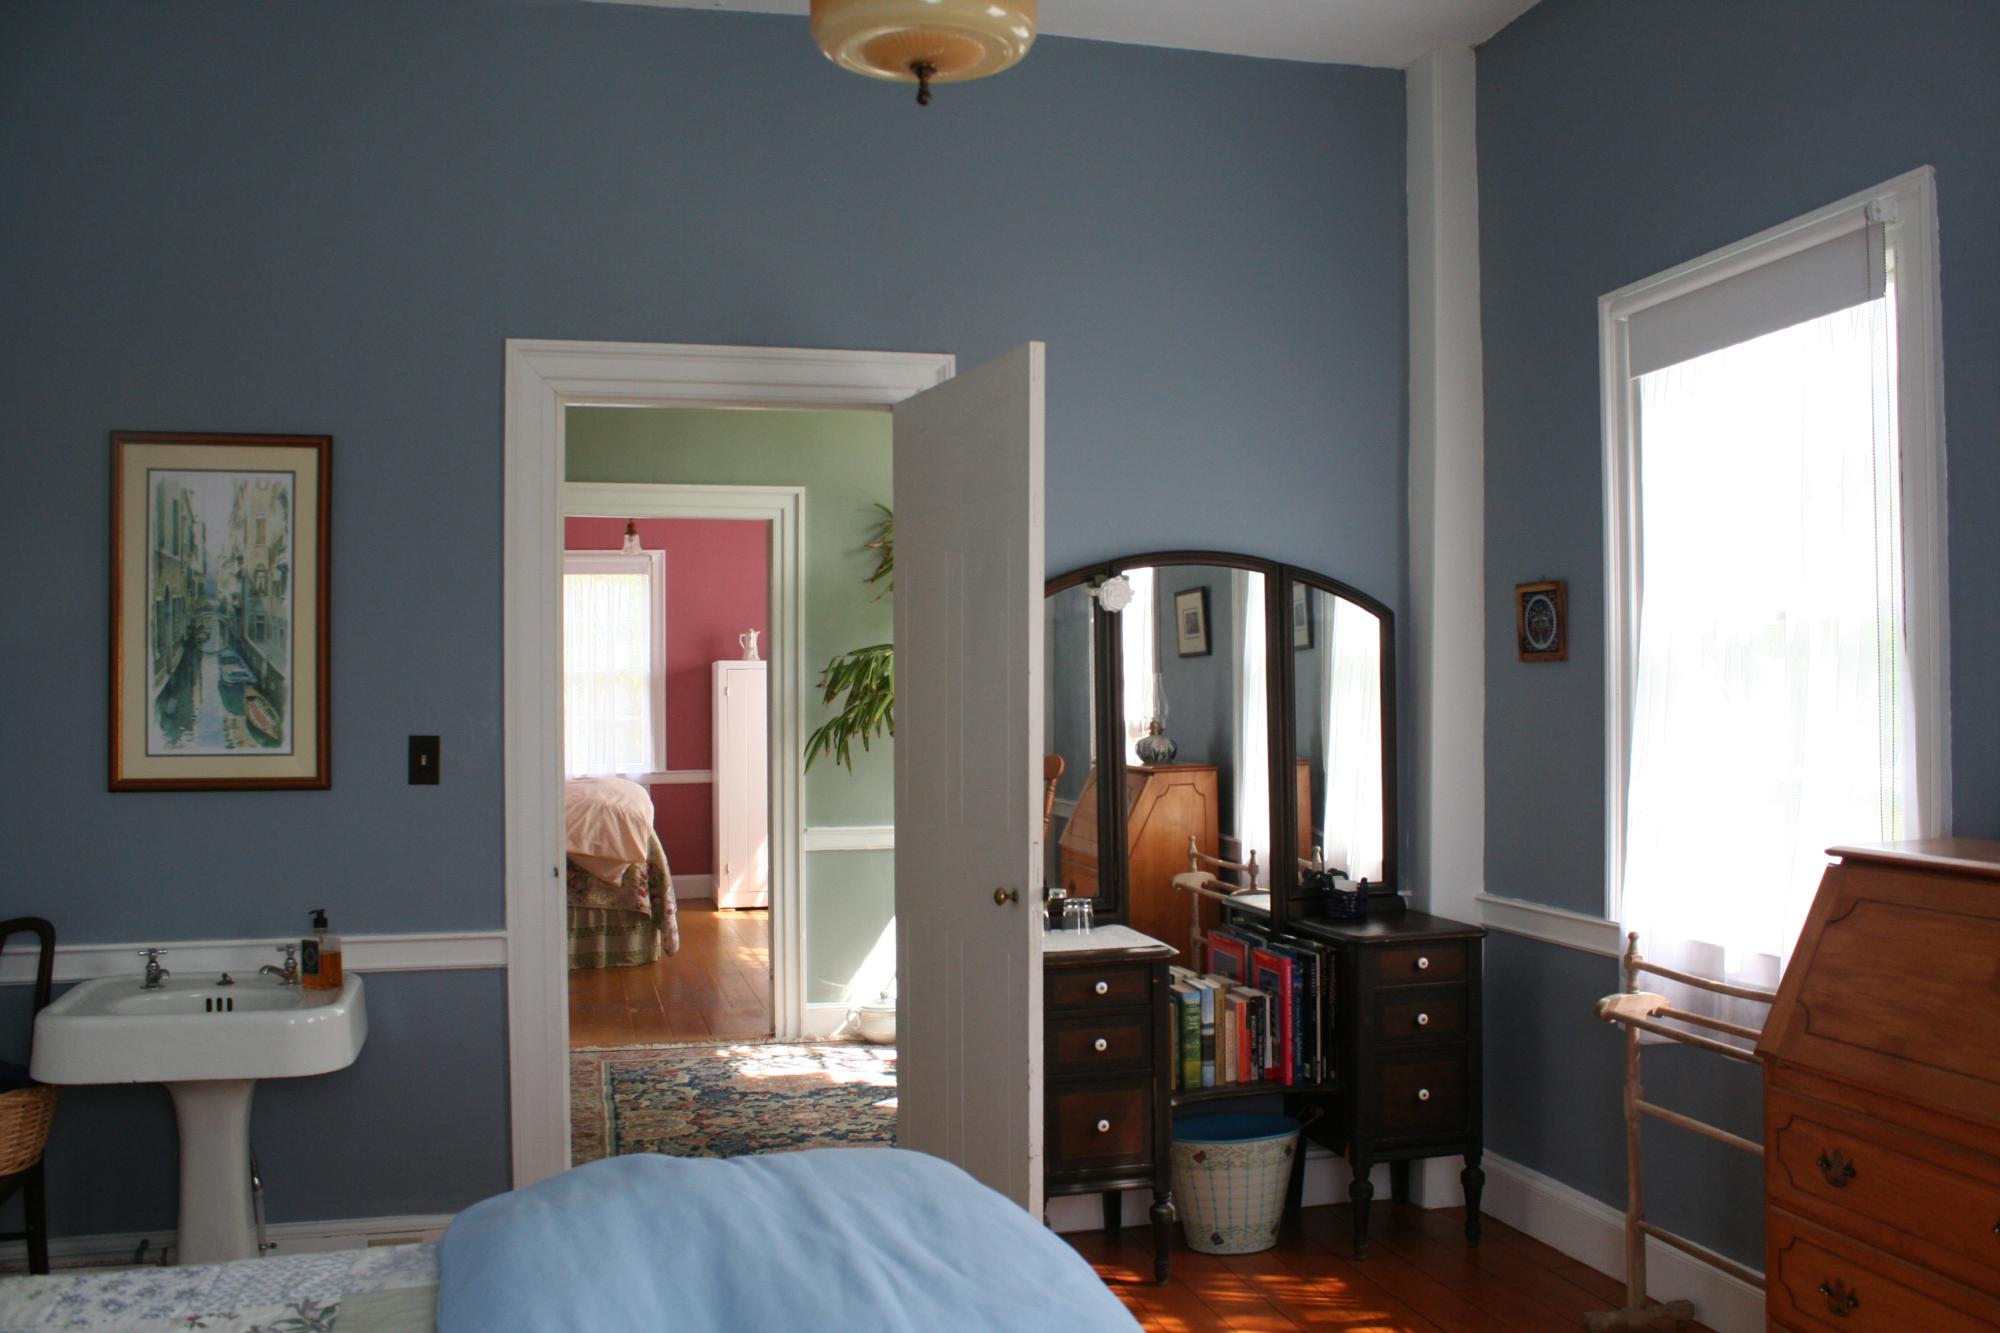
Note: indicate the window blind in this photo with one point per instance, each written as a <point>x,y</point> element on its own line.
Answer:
<point>1847,271</point>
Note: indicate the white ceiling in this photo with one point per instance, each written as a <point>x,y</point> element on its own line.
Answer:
<point>1340,32</point>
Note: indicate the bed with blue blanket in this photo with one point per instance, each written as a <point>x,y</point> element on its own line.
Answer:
<point>829,1240</point>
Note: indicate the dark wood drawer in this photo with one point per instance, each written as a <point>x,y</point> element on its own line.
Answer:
<point>1422,1096</point>
<point>1411,964</point>
<point>1097,1128</point>
<point>1107,986</point>
<point>1113,1044</point>
<point>1839,1168</point>
<point>1420,1015</point>
<point>1817,1279</point>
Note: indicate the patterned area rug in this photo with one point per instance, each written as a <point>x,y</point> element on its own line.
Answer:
<point>731,1098</point>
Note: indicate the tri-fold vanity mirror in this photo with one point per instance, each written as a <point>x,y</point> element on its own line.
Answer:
<point>1247,710</point>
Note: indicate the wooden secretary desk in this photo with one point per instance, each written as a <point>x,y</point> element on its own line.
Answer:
<point>1882,1097</point>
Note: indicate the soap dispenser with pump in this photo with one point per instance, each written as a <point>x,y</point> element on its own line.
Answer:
<point>319,956</point>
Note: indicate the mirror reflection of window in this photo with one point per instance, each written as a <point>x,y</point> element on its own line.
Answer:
<point>1196,702</point>
<point>1140,661</point>
<point>1069,723</point>
<point>1338,675</point>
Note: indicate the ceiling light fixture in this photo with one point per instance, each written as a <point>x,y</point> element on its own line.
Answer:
<point>924,41</point>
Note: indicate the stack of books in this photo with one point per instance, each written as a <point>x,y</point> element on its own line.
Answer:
<point>1262,1013</point>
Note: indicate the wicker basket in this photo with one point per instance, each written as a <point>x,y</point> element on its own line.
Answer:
<point>25,1115</point>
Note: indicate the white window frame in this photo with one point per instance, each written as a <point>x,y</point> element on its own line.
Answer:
<point>654,563</point>
<point>1907,206</point>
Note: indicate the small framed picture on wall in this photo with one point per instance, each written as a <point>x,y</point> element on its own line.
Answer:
<point>1541,621</point>
<point>1191,622</point>
<point>1302,618</point>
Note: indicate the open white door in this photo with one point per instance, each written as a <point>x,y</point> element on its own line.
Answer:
<point>968,468</point>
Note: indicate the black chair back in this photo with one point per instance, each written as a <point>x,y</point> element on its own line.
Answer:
<point>45,967</point>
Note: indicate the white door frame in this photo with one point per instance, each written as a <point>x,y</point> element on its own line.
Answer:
<point>783,507</point>
<point>542,380</point>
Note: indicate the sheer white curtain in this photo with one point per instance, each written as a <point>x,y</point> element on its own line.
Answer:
<point>607,674</point>
<point>1253,711</point>
<point>1138,643</point>
<point>1771,715</point>
<point>1351,669</point>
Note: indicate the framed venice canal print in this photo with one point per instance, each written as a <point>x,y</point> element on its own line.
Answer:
<point>219,581</point>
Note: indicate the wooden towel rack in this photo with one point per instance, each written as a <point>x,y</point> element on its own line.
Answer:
<point>1640,1011</point>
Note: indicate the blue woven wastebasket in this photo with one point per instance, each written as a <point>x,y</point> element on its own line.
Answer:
<point>1230,1175</point>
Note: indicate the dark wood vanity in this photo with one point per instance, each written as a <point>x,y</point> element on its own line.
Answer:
<point>1107,1122</point>
<point>1292,742</point>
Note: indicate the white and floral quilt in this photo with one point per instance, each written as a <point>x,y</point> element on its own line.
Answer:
<point>390,1289</point>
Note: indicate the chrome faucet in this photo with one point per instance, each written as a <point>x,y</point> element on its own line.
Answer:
<point>155,974</point>
<point>289,973</point>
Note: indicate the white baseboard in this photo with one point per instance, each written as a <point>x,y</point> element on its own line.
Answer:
<point>431,952</point>
<point>823,1021</point>
<point>1593,1232</point>
<point>1327,1178</point>
<point>125,1249</point>
<point>693,886</point>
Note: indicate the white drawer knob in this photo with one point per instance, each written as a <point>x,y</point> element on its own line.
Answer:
<point>1423,964</point>
<point>1104,1126</point>
<point>1423,1020</point>
<point>1102,988</point>
<point>1423,1094</point>
<point>1100,1045</point>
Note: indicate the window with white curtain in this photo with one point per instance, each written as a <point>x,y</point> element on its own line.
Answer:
<point>1138,627</point>
<point>1776,571</point>
<point>614,663</point>
<point>1253,738</point>
<point>1350,669</point>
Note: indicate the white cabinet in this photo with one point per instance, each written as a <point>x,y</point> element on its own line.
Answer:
<point>742,786</point>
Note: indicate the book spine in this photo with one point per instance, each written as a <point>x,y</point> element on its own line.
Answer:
<point>1227,1023</point>
<point>1243,1039</point>
<point>1209,1035</point>
<point>1288,993</point>
<point>1189,1003</point>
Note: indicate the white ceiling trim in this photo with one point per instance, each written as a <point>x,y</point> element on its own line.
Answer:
<point>1386,33</point>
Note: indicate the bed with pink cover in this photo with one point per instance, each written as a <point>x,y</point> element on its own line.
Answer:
<point>621,894</point>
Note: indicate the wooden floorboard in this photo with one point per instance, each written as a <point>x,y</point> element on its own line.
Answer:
<point>717,988</point>
<point>1419,1277</point>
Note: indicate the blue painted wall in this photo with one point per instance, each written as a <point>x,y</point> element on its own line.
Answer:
<point>1616,141</point>
<point>326,218</point>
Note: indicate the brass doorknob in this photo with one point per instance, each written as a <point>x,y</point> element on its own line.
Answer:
<point>1001,897</point>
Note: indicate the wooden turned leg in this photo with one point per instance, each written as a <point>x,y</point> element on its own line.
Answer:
<point>1360,1194</point>
<point>1162,1214</point>
<point>1473,1180</point>
<point>1114,1211</point>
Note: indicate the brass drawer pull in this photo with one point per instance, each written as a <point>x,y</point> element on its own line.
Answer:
<point>1104,1126</point>
<point>1840,1298</point>
<point>1100,1045</point>
<point>1423,1094</point>
<point>1423,963</point>
<point>1102,988</point>
<point>1836,1167</point>
<point>1423,1020</point>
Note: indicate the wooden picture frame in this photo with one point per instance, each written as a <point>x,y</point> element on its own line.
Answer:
<point>1191,636</point>
<point>220,577</point>
<point>1302,618</point>
<point>1541,621</point>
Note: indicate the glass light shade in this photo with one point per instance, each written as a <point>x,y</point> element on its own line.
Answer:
<point>957,39</point>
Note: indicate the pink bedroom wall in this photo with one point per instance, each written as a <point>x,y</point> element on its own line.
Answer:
<point>718,582</point>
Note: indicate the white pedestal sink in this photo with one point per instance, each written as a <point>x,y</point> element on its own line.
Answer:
<point>209,1044</point>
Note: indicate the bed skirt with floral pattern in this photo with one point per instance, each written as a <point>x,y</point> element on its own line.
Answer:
<point>625,924</point>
